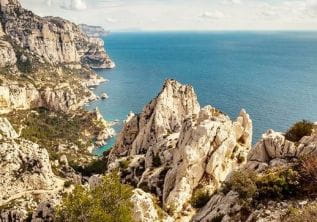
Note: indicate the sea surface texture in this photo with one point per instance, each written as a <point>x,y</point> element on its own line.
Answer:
<point>273,75</point>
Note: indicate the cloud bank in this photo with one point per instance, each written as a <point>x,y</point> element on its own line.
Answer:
<point>184,15</point>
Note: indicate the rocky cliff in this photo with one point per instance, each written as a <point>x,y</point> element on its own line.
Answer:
<point>25,171</point>
<point>93,31</point>
<point>46,61</point>
<point>200,165</point>
<point>45,74</point>
<point>50,39</point>
<point>174,148</point>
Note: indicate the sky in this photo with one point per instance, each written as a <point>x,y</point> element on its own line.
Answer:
<point>152,15</point>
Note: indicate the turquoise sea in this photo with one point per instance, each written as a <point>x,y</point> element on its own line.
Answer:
<point>273,75</point>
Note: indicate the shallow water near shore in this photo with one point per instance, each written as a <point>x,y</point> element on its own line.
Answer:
<point>273,75</point>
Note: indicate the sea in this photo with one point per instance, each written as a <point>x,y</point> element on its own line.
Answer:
<point>272,75</point>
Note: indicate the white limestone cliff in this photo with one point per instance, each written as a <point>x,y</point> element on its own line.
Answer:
<point>173,146</point>
<point>24,167</point>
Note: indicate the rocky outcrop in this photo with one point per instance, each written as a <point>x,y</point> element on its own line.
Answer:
<point>274,149</point>
<point>93,31</point>
<point>24,167</point>
<point>219,206</point>
<point>51,40</point>
<point>45,62</point>
<point>145,209</point>
<point>17,96</point>
<point>173,146</point>
<point>7,54</point>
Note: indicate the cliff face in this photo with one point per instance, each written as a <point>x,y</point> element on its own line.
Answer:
<point>272,154</point>
<point>200,165</point>
<point>46,61</point>
<point>45,72</point>
<point>51,40</point>
<point>24,167</point>
<point>174,146</point>
<point>93,31</point>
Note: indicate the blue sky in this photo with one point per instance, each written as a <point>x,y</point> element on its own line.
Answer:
<point>184,14</point>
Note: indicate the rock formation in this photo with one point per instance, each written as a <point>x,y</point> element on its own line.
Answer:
<point>45,67</point>
<point>274,149</point>
<point>174,146</point>
<point>50,39</point>
<point>93,31</point>
<point>24,167</point>
<point>46,61</point>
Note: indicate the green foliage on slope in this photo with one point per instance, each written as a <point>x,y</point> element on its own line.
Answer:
<point>108,202</point>
<point>299,130</point>
<point>307,213</point>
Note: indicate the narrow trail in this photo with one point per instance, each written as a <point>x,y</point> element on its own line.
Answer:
<point>59,184</point>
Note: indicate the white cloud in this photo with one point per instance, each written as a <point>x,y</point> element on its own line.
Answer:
<point>111,20</point>
<point>74,4</point>
<point>49,3</point>
<point>213,15</point>
<point>238,2</point>
<point>184,15</point>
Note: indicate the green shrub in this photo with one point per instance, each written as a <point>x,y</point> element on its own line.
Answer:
<point>124,164</point>
<point>274,183</point>
<point>277,183</point>
<point>243,182</point>
<point>199,198</point>
<point>306,214</point>
<point>95,167</point>
<point>68,183</point>
<point>108,202</point>
<point>299,130</point>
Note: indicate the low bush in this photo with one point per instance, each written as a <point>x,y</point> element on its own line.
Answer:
<point>68,183</point>
<point>299,130</point>
<point>95,167</point>
<point>277,183</point>
<point>307,213</point>
<point>243,182</point>
<point>307,169</point>
<point>199,198</point>
<point>272,184</point>
<point>124,164</point>
<point>108,202</point>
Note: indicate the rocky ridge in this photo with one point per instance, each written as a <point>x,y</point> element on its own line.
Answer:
<point>181,157</point>
<point>174,147</point>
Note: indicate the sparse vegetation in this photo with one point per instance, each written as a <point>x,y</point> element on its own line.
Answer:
<point>68,183</point>
<point>307,169</point>
<point>275,183</point>
<point>51,129</point>
<point>110,201</point>
<point>94,167</point>
<point>124,164</point>
<point>243,182</point>
<point>200,197</point>
<point>307,213</point>
<point>299,130</point>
